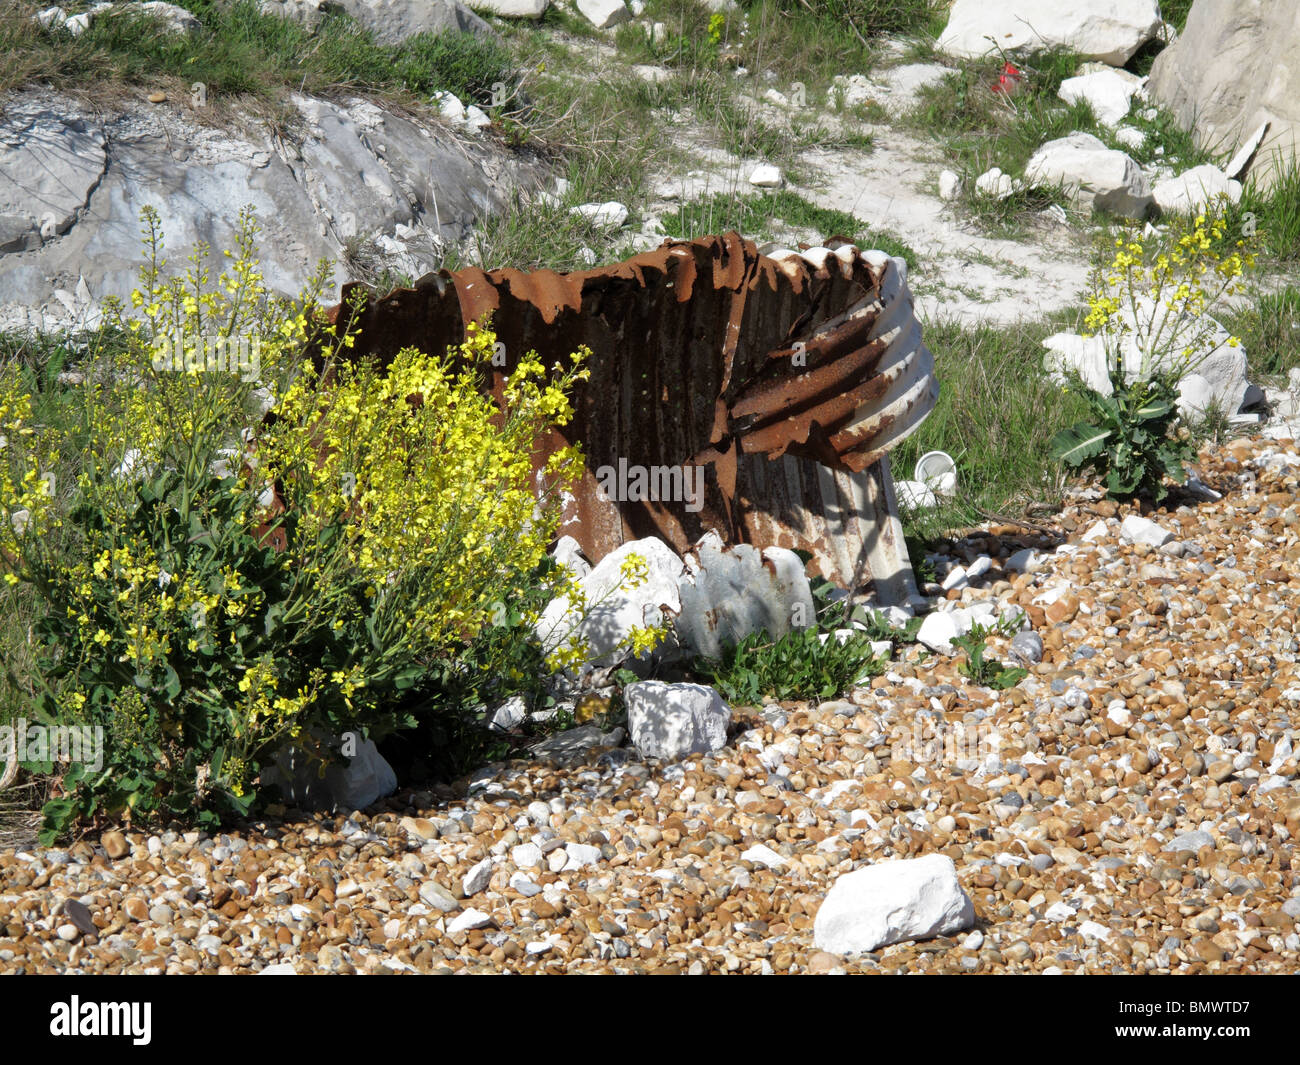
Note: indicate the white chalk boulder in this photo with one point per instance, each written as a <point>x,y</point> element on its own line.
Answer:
<point>889,902</point>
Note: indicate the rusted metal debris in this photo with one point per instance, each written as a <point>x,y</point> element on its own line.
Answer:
<point>787,379</point>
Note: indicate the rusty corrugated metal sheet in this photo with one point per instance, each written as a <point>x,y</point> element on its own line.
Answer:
<point>787,379</point>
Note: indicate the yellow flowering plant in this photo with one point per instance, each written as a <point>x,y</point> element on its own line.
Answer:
<point>253,549</point>
<point>1149,308</point>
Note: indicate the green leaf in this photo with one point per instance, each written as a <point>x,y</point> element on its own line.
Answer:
<point>1009,678</point>
<point>172,684</point>
<point>56,815</point>
<point>1153,410</point>
<point>1078,444</point>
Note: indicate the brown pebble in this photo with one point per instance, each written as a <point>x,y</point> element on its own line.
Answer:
<point>114,844</point>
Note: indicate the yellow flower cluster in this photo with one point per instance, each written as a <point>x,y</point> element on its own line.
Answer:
<point>432,485</point>
<point>1155,300</point>
<point>26,484</point>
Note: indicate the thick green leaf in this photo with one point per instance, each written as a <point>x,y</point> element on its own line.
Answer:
<point>1079,444</point>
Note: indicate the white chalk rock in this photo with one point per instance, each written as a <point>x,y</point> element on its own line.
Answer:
<point>1092,175</point>
<point>1107,92</point>
<point>1193,190</point>
<point>889,902</point>
<point>1107,30</point>
<point>1138,530</point>
<point>613,608</point>
<point>604,14</point>
<point>670,721</point>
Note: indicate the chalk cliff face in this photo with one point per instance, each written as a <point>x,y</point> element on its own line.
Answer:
<point>1235,67</point>
<point>345,180</point>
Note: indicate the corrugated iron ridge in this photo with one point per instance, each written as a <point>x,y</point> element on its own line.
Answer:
<point>695,347</point>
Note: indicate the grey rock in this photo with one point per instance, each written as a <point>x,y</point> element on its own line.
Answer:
<point>565,745</point>
<point>73,182</point>
<point>727,593</point>
<point>1026,648</point>
<point>79,915</point>
<point>346,784</point>
<point>393,21</point>
<point>1230,71</point>
<point>1092,175</point>
<point>1190,841</point>
<point>671,721</point>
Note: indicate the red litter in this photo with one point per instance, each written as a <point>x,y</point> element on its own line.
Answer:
<point>1010,80</point>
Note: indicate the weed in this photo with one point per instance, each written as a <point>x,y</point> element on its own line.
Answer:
<point>240,51</point>
<point>1269,329</point>
<point>996,415</point>
<point>753,217</point>
<point>988,673</point>
<point>1276,211</point>
<point>802,664</point>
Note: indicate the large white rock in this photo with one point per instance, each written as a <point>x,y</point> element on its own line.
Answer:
<point>307,13</point>
<point>1107,92</point>
<point>1194,189</point>
<point>889,902</point>
<point>671,721</point>
<point>609,214</point>
<point>1092,175</point>
<point>1107,30</point>
<point>393,21</point>
<point>1222,370</point>
<point>1235,66</point>
<point>729,592</point>
<point>1139,530</point>
<point>66,212</point>
<point>996,184</point>
<point>568,553</point>
<point>604,13</point>
<point>513,8</point>
<point>938,630</point>
<point>613,609</point>
<point>176,19</point>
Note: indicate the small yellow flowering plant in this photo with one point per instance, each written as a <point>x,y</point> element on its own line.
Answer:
<point>1149,307</point>
<point>237,552</point>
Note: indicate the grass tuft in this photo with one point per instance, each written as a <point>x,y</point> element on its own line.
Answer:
<point>752,216</point>
<point>996,415</point>
<point>242,52</point>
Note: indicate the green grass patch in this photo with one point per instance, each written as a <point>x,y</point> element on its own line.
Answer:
<point>1276,213</point>
<point>241,52</point>
<point>799,665</point>
<point>1269,330</point>
<point>1175,12</point>
<point>539,236</point>
<point>996,415</point>
<point>753,216</point>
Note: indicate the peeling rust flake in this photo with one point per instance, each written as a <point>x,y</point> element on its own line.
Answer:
<point>785,378</point>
